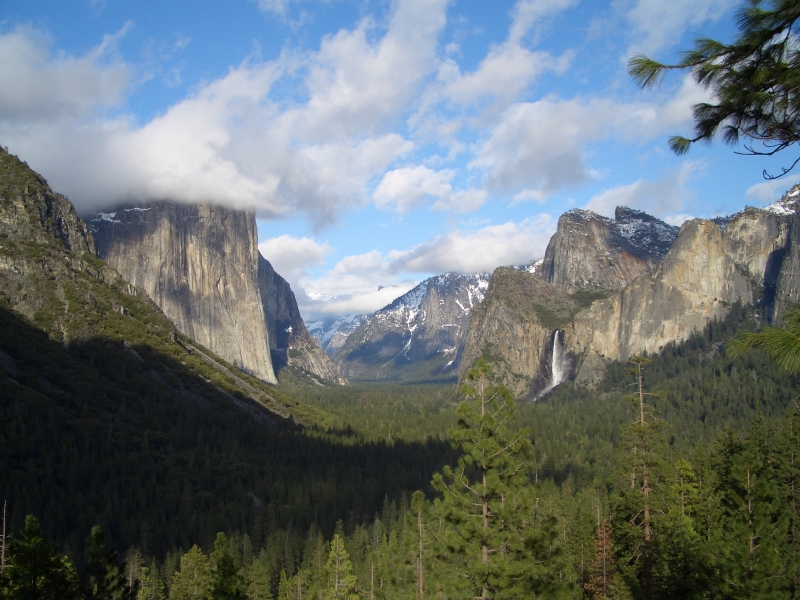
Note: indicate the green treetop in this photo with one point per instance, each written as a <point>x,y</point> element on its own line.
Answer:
<point>487,538</point>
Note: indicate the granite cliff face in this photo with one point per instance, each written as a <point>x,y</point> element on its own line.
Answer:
<point>419,336</point>
<point>199,264</point>
<point>589,251</point>
<point>751,257</point>
<point>748,259</point>
<point>514,329</point>
<point>290,342</point>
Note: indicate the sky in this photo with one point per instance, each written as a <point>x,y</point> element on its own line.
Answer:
<point>378,142</point>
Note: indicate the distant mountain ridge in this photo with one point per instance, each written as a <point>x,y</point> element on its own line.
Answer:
<point>419,336</point>
<point>331,333</point>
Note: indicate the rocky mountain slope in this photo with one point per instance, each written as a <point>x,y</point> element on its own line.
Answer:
<point>627,288</point>
<point>589,251</point>
<point>332,333</point>
<point>752,258</point>
<point>290,342</point>
<point>202,267</point>
<point>513,329</point>
<point>74,328</point>
<point>419,336</point>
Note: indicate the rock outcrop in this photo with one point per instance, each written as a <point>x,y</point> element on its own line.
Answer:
<point>290,342</point>
<point>419,336</point>
<point>200,266</point>
<point>514,328</point>
<point>751,257</point>
<point>747,259</point>
<point>31,211</point>
<point>589,251</point>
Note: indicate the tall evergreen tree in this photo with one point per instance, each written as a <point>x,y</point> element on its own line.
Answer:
<point>604,581</point>
<point>640,497</point>
<point>750,539</point>
<point>420,540</point>
<point>34,571</point>
<point>259,579</point>
<point>488,546</point>
<point>194,580</point>
<point>105,580</point>
<point>341,582</point>
<point>226,583</point>
<point>788,470</point>
<point>151,587</point>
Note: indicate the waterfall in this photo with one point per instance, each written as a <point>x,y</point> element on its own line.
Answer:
<point>559,366</point>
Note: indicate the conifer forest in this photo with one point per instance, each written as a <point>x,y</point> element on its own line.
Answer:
<point>677,478</point>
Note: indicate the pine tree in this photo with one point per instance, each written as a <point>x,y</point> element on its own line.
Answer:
<point>420,536</point>
<point>788,469</point>
<point>104,579</point>
<point>193,581</point>
<point>34,570</point>
<point>640,497</point>
<point>296,587</point>
<point>225,580</point>
<point>753,81</point>
<point>487,547</point>
<point>151,586</point>
<point>339,570</point>
<point>751,536</point>
<point>604,581</point>
<point>259,579</point>
<point>781,343</point>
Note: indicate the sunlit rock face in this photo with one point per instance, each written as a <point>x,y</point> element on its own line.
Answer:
<point>514,328</point>
<point>620,298</point>
<point>589,251</point>
<point>419,336</point>
<point>199,263</point>
<point>710,266</point>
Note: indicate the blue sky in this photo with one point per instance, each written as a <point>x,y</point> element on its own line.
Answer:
<point>379,142</point>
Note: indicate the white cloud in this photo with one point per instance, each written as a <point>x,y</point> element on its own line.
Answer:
<point>771,191</point>
<point>539,148</point>
<point>353,283</point>
<point>510,67</point>
<point>231,142</point>
<point>656,24</point>
<point>678,220</point>
<point>278,7</point>
<point>407,187</point>
<point>528,13</point>
<point>661,198</point>
<point>482,249</point>
<point>360,283</point>
<point>462,201</point>
<point>37,86</point>
<point>291,257</point>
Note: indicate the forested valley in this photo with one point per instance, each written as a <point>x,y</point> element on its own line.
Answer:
<point>686,491</point>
